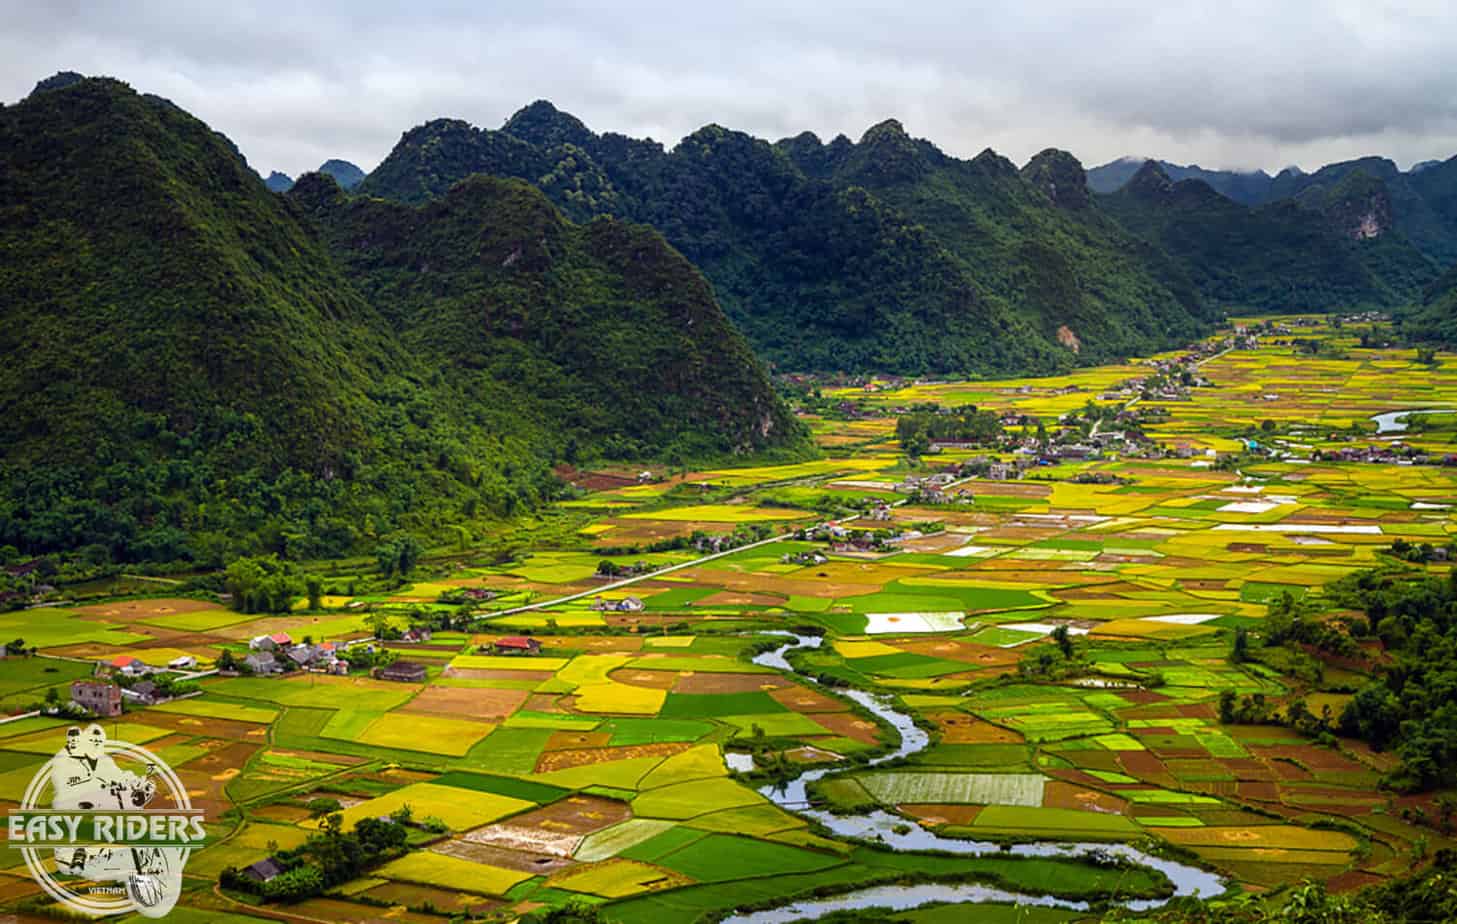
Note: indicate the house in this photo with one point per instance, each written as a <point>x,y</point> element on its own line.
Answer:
<point>184,663</point>
<point>516,644</point>
<point>264,870</point>
<point>262,662</point>
<point>416,634</point>
<point>270,642</point>
<point>128,665</point>
<point>98,697</point>
<point>626,605</point>
<point>302,655</point>
<point>403,672</point>
<point>143,693</point>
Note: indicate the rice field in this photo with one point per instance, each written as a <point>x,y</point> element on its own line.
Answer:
<point>595,768</point>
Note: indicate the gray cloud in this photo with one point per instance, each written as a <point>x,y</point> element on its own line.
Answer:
<point>1245,83</point>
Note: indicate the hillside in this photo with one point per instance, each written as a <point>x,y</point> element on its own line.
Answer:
<point>885,255</point>
<point>1248,187</point>
<point>1331,248</point>
<point>176,334</point>
<point>602,329</point>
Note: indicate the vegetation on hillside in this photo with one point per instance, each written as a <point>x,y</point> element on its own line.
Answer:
<point>886,255</point>
<point>192,375</point>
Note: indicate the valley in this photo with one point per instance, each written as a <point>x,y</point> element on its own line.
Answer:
<point>1126,608</point>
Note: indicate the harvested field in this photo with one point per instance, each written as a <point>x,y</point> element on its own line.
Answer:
<point>567,759</point>
<point>729,683</point>
<point>487,704</point>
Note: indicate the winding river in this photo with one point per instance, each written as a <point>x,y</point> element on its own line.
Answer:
<point>1395,421</point>
<point>894,833</point>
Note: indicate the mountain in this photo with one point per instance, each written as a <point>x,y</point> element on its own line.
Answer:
<point>198,368</point>
<point>278,182</point>
<point>602,328</point>
<point>1248,187</point>
<point>344,173</point>
<point>1423,199</point>
<point>1331,247</point>
<point>884,255</point>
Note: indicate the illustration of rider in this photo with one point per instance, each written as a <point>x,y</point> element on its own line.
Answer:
<point>85,777</point>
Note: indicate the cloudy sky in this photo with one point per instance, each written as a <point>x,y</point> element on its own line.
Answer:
<point>1236,84</point>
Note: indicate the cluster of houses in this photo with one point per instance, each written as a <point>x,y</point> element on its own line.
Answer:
<point>625,605</point>
<point>277,654</point>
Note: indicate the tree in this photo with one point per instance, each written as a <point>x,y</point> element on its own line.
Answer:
<point>1241,651</point>
<point>17,647</point>
<point>1226,707</point>
<point>315,590</point>
<point>227,661</point>
<point>263,584</point>
<point>1064,640</point>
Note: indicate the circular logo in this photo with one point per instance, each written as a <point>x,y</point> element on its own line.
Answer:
<point>115,820</point>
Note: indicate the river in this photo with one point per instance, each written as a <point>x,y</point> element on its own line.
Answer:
<point>1395,421</point>
<point>895,833</point>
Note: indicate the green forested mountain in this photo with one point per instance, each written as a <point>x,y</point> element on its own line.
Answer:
<point>196,366</point>
<point>1423,200</point>
<point>1332,247</point>
<point>885,254</point>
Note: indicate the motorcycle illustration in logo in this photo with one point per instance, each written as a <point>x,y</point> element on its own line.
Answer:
<point>120,827</point>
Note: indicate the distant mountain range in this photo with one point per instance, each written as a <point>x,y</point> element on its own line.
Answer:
<point>1423,199</point>
<point>344,173</point>
<point>885,254</point>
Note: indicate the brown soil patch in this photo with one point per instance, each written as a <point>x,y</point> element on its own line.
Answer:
<point>571,740</point>
<point>1057,794</point>
<point>714,682</point>
<point>492,705</point>
<point>198,725</point>
<point>543,702</point>
<point>1312,757</point>
<point>574,815</point>
<point>739,598</point>
<point>525,861</point>
<point>413,895</point>
<point>933,814</point>
<point>960,728</point>
<point>811,755</point>
<point>965,652</point>
<point>133,610</point>
<point>848,725</point>
<point>565,760</point>
<point>810,585</point>
<point>1142,764</point>
<point>802,699</point>
<point>937,543</point>
<point>1260,791</point>
<point>653,680</point>
<point>288,813</point>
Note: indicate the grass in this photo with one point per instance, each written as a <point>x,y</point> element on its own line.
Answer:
<point>617,878</point>
<point>217,709</point>
<point>725,857</point>
<point>612,841</point>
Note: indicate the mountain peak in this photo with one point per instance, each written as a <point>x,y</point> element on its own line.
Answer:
<point>347,175</point>
<point>890,130</point>
<point>278,182</point>
<point>1061,177</point>
<point>544,124</point>
<point>57,81</point>
<point>1150,180</point>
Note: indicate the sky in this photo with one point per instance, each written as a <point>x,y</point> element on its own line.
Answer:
<point>1235,85</point>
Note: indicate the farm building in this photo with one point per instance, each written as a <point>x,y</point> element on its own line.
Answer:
<point>183,663</point>
<point>97,697</point>
<point>625,605</point>
<point>264,870</point>
<point>263,662</point>
<point>271,642</point>
<point>128,664</point>
<point>516,644</point>
<point>403,672</point>
<point>143,693</point>
<point>416,634</point>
